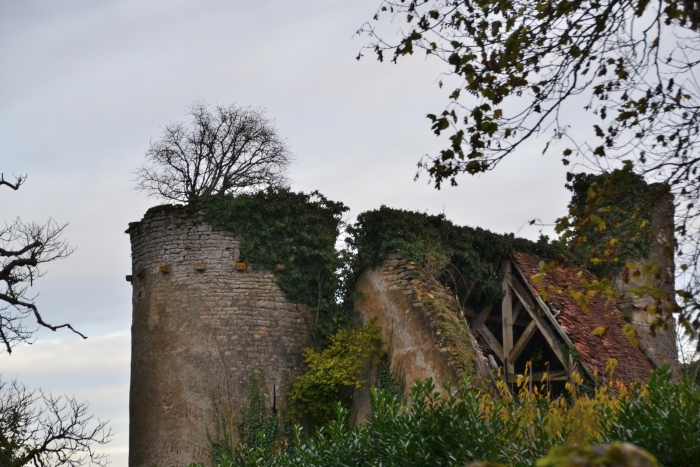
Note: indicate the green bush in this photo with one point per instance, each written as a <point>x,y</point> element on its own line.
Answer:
<point>662,417</point>
<point>454,428</point>
<point>315,392</point>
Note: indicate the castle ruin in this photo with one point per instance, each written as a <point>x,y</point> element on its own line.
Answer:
<point>203,321</point>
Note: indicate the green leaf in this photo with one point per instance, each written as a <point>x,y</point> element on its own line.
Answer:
<point>631,334</point>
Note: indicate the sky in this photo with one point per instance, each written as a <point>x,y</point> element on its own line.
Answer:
<point>86,85</point>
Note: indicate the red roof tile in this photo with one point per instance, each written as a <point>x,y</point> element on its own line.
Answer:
<point>579,324</point>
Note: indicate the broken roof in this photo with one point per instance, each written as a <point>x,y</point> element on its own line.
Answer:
<point>579,324</point>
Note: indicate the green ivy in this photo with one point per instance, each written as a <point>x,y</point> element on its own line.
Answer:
<point>463,258</point>
<point>610,219</point>
<point>295,230</point>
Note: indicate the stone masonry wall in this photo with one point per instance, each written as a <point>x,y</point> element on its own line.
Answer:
<point>660,346</point>
<point>422,327</point>
<point>200,327</point>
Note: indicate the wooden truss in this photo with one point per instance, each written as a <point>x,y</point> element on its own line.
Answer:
<point>516,300</point>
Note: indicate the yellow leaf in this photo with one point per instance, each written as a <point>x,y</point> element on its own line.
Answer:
<point>631,334</point>
<point>591,193</point>
<point>600,331</point>
<point>537,278</point>
<point>610,366</point>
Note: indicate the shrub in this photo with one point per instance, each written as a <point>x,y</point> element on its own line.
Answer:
<point>663,417</point>
<point>338,366</point>
<point>456,427</point>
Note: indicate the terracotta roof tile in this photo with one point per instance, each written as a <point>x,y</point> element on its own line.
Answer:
<point>579,324</point>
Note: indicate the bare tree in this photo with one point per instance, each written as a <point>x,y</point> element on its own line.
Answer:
<point>44,430</point>
<point>24,248</point>
<point>222,150</point>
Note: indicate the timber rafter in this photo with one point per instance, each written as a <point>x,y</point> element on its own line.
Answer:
<point>516,300</point>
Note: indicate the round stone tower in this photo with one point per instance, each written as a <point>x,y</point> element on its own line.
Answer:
<point>202,323</point>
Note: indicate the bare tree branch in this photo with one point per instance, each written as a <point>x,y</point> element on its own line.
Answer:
<point>15,186</point>
<point>24,248</point>
<point>44,430</point>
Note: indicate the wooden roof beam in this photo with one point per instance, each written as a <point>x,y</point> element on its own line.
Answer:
<point>523,341</point>
<point>541,324</point>
<point>553,320</point>
<point>491,341</point>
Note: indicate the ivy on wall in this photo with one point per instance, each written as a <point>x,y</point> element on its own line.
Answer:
<point>316,392</point>
<point>610,219</point>
<point>465,259</point>
<point>294,235</point>
<point>300,231</point>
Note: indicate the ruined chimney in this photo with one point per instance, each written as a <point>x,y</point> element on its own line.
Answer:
<point>659,345</point>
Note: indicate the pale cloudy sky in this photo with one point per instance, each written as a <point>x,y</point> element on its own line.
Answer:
<point>86,84</point>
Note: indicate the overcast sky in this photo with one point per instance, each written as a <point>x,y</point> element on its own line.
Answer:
<point>86,84</point>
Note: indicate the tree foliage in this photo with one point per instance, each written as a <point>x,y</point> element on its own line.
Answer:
<point>222,150</point>
<point>317,390</point>
<point>24,249</point>
<point>519,67</point>
<point>519,61</point>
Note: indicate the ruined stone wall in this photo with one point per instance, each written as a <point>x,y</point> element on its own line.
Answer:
<point>200,326</point>
<point>423,329</point>
<point>660,348</point>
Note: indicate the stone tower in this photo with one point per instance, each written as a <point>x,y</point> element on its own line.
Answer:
<point>201,324</point>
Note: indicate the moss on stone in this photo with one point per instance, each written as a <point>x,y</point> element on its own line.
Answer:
<point>444,314</point>
<point>612,455</point>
